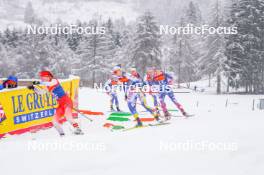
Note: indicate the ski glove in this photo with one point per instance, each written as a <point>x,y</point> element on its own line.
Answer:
<point>36,82</point>
<point>31,87</point>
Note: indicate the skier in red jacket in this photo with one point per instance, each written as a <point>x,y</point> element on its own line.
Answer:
<point>65,104</point>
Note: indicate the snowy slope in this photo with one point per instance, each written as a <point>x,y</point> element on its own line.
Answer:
<point>203,85</point>
<point>148,150</point>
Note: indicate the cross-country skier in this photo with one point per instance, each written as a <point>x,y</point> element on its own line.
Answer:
<point>165,81</point>
<point>132,90</point>
<point>111,87</point>
<point>153,87</point>
<point>65,104</point>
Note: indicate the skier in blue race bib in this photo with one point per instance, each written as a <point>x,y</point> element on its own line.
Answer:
<point>153,87</point>
<point>133,84</point>
<point>111,87</point>
<point>165,82</point>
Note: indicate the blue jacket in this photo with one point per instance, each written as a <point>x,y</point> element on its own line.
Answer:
<point>12,78</point>
<point>1,87</point>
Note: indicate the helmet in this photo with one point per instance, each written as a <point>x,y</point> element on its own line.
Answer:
<point>133,72</point>
<point>116,68</point>
<point>46,74</point>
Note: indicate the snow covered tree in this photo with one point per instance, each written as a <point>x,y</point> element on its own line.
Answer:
<point>29,15</point>
<point>74,39</point>
<point>125,53</point>
<point>61,64</point>
<point>10,37</point>
<point>146,43</point>
<point>95,56</point>
<point>33,54</point>
<point>5,62</point>
<point>187,49</point>
<point>193,14</point>
<point>245,49</point>
<point>213,61</point>
<point>182,57</point>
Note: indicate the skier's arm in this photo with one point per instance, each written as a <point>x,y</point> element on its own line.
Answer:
<point>53,82</point>
<point>125,82</point>
<point>107,86</point>
<point>36,86</point>
<point>169,79</point>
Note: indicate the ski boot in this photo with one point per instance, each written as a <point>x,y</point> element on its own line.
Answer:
<point>78,131</point>
<point>157,118</point>
<point>118,109</point>
<point>139,123</point>
<point>62,134</point>
<point>111,108</point>
<point>167,115</point>
<point>186,115</point>
<point>157,110</point>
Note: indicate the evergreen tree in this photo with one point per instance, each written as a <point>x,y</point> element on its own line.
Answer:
<point>4,62</point>
<point>146,44</point>
<point>193,14</point>
<point>74,39</point>
<point>95,56</point>
<point>10,37</point>
<point>187,49</point>
<point>33,54</point>
<point>245,49</point>
<point>29,15</point>
<point>62,62</point>
<point>213,61</point>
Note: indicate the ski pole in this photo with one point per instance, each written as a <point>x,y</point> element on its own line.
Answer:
<point>76,110</point>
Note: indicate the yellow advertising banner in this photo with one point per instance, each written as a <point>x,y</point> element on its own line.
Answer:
<point>22,109</point>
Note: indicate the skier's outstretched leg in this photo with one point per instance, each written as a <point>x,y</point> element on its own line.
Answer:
<point>115,100</point>
<point>150,110</point>
<point>65,109</point>
<point>156,104</point>
<point>69,117</point>
<point>111,102</point>
<point>57,125</point>
<point>178,105</point>
<point>162,96</point>
<point>131,103</point>
<point>132,108</point>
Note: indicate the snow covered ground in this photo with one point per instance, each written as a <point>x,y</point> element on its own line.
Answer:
<point>220,139</point>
